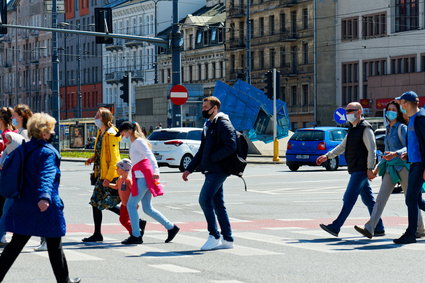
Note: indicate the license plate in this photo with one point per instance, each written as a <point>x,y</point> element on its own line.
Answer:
<point>302,156</point>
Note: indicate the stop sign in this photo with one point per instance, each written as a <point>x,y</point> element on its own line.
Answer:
<point>178,95</point>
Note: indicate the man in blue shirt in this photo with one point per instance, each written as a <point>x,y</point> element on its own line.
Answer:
<point>409,103</point>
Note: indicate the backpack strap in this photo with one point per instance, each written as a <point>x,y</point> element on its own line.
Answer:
<point>399,134</point>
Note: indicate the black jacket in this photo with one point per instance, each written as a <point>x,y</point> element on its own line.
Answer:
<point>356,151</point>
<point>420,132</point>
<point>218,143</point>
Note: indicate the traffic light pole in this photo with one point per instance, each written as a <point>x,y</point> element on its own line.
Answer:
<point>55,102</point>
<point>275,140</point>
<point>130,98</point>
<point>176,62</point>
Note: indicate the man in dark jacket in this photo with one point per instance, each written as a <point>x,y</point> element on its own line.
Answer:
<point>218,142</point>
<point>359,146</point>
<point>409,103</point>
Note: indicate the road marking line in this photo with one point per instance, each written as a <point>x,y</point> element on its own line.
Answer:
<point>174,268</point>
<point>72,255</point>
<point>150,252</point>
<point>233,219</point>
<point>296,219</point>
<point>283,228</point>
<point>226,281</point>
<point>237,250</point>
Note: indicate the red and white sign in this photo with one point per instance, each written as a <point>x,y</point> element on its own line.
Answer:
<point>178,95</point>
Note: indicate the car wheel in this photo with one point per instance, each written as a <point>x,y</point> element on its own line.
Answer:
<point>293,167</point>
<point>186,159</point>
<point>332,164</point>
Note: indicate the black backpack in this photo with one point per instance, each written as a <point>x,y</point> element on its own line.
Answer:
<point>235,163</point>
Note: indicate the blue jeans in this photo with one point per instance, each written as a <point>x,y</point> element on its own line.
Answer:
<point>358,184</point>
<point>414,196</point>
<point>7,204</point>
<point>211,200</point>
<point>145,196</point>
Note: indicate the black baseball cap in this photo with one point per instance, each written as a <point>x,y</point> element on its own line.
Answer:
<point>127,125</point>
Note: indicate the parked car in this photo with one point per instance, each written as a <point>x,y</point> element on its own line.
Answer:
<point>307,144</point>
<point>380,139</point>
<point>175,147</point>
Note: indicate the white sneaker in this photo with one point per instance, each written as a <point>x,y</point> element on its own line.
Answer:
<point>211,243</point>
<point>42,247</point>
<point>225,245</point>
<point>3,240</point>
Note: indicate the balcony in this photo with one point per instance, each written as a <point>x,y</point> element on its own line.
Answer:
<point>236,11</point>
<point>116,46</point>
<point>236,44</point>
<point>133,43</point>
<point>288,3</point>
<point>114,77</point>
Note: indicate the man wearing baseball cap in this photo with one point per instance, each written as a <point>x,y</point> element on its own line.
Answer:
<point>409,104</point>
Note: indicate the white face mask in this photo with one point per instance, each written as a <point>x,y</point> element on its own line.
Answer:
<point>351,118</point>
<point>98,123</point>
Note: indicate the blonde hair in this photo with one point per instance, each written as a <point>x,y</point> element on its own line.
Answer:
<point>106,116</point>
<point>137,132</point>
<point>40,123</point>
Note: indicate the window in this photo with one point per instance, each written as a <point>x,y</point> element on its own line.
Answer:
<point>232,63</point>
<point>422,62</point>
<point>305,95</point>
<point>272,58</point>
<point>305,18</point>
<point>294,95</point>
<point>206,71</point>
<point>350,29</point>
<point>350,82</point>
<point>305,53</point>
<point>282,19</point>
<point>406,15</point>
<point>252,26</point>
<point>271,24</point>
<point>294,23</point>
<point>241,31</point>
<point>199,72</point>
<point>405,64</point>
<point>338,135</point>
<point>282,57</point>
<point>261,59</point>
<point>261,26</point>
<point>145,106</point>
<point>294,54</point>
<point>374,25</point>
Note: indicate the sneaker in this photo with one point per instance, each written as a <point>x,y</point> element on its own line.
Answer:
<point>328,229</point>
<point>142,226</point>
<point>172,233</point>
<point>132,240</point>
<point>405,239</point>
<point>211,243</point>
<point>3,241</point>
<point>419,235</point>
<point>226,244</point>
<point>363,231</point>
<point>42,247</point>
<point>93,238</point>
<point>379,233</point>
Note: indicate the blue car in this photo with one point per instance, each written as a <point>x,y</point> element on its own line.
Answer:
<point>307,144</point>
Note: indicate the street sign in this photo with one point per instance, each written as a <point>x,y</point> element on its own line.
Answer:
<point>178,95</point>
<point>60,6</point>
<point>339,116</point>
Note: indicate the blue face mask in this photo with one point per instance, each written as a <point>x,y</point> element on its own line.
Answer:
<point>402,109</point>
<point>14,122</point>
<point>98,123</point>
<point>391,115</point>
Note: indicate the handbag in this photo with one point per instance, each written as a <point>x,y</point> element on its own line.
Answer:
<point>93,179</point>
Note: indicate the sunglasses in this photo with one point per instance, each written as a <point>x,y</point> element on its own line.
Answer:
<point>351,110</point>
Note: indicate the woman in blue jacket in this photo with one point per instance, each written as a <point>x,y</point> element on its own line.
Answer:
<point>39,210</point>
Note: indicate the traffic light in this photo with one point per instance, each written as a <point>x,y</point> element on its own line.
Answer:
<point>103,23</point>
<point>268,89</point>
<point>125,88</point>
<point>3,16</point>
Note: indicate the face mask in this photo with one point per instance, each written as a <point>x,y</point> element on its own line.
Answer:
<point>14,122</point>
<point>52,137</point>
<point>391,115</point>
<point>351,118</point>
<point>206,114</point>
<point>402,109</point>
<point>98,123</point>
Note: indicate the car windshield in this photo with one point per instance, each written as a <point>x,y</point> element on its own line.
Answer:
<point>167,135</point>
<point>338,135</point>
<point>308,135</point>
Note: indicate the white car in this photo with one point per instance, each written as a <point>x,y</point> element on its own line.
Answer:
<point>175,147</point>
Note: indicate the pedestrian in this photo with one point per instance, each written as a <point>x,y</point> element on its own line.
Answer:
<point>392,168</point>
<point>145,173</point>
<point>409,103</point>
<point>360,153</point>
<point>39,210</point>
<point>20,116</point>
<point>159,126</point>
<point>144,131</point>
<point>217,143</point>
<point>106,156</point>
<point>123,186</point>
<point>5,127</point>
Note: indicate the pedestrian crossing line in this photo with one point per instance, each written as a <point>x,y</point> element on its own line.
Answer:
<point>174,268</point>
<point>233,219</point>
<point>147,251</point>
<point>237,250</point>
<point>296,219</point>
<point>226,281</point>
<point>283,228</point>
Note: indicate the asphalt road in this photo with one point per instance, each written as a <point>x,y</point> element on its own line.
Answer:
<point>276,230</point>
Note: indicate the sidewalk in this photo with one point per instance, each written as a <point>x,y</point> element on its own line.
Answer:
<point>251,159</point>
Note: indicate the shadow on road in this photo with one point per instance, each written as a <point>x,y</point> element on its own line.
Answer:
<point>169,254</point>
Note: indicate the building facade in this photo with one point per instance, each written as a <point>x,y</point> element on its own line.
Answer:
<point>25,57</point>
<point>379,51</point>
<point>80,70</point>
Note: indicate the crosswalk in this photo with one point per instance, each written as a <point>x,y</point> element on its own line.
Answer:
<point>268,242</point>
